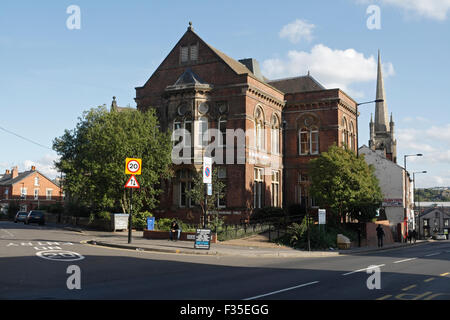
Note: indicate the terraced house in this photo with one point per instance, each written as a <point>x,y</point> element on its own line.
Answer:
<point>287,122</point>
<point>29,189</point>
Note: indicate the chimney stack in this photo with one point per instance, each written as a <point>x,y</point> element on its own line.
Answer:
<point>33,168</point>
<point>14,172</point>
<point>7,171</point>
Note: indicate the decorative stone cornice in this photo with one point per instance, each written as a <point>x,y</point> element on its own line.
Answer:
<point>265,96</point>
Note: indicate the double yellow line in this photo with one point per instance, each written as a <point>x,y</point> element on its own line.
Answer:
<point>413,286</point>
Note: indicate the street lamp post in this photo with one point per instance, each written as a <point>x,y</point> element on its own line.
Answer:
<point>414,188</point>
<point>405,216</point>
<point>357,129</point>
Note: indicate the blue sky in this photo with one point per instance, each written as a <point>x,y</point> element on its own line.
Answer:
<point>51,74</point>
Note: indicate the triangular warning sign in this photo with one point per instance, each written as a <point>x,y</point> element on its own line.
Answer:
<point>132,183</point>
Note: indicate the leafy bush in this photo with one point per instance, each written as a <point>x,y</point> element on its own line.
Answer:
<point>55,208</point>
<point>102,216</point>
<point>140,219</point>
<point>296,210</point>
<point>320,238</point>
<point>163,224</point>
<point>216,223</point>
<point>186,228</point>
<point>13,208</point>
<point>76,210</point>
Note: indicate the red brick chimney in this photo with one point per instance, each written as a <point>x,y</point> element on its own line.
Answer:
<point>15,172</point>
<point>7,171</point>
<point>33,168</point>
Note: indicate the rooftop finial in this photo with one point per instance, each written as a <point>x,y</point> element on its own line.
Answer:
<point>190,26</point>
<point>114,104</point>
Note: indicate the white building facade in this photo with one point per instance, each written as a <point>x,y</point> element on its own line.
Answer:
<point>397,199</point>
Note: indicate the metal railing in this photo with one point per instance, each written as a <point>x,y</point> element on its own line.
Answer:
<point>274,226</point>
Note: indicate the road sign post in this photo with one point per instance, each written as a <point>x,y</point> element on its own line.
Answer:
<point>130,221</point>
<point>207,179</point>
<point>133,167</point>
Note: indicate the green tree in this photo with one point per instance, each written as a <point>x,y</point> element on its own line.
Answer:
<point>198,191</point>
<point>92,158</point>
<point>345,183</point>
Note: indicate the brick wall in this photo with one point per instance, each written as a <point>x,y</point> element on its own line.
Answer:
<point>371,233</point>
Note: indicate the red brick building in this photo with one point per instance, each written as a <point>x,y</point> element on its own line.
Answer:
<point>30,189</point>
<point>314,119</point>
<point>287,122</point>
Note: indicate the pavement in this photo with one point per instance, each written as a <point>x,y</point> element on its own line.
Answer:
<point>253,246</point>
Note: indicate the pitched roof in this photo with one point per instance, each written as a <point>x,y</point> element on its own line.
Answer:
<point>380,156</point>
<point>236,66</point>
<point>297,84</point>
<point>445,210</point>
<point>7,180</point>
<point>189,77</point>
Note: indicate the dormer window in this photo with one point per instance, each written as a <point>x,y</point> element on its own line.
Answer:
<point>189,53</point>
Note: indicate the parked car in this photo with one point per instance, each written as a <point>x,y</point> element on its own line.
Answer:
<point>439,236</point>
<point>36,217</point>
<point>21,216</point>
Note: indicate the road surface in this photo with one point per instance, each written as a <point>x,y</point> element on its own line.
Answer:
<point>35,261</point>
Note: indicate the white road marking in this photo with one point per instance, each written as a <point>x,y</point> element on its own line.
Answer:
<point>282,290</point>
<point>400,261</point>
<point>60,255</point>
<point>433,254</point>
<point>7,232</point>
<point>365,269</point>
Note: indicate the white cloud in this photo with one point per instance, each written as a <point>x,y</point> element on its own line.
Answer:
<point>45,165</point>
<point>332,67</point>
<point>439,133</point>
<point>431,9</point>
<point>413,139</point>
<point>432,181</point>
<point>436,156</point>
<point>297,30</point>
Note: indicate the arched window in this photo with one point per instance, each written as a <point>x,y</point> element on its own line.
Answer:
<point>186,124</point>
<point>302,189</point>
<point>275,135</point>
<point>309,141</point>
<point>223,131</point>
<point>259,129</point>
<point>352,136</point>
<point>344,132</point>
<point>202,133</point>
<point>184,177</point>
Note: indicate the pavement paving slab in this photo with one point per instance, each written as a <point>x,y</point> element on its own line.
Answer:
<point>252,246</point>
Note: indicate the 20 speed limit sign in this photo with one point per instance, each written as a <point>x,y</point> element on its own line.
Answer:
<point>133,166</point>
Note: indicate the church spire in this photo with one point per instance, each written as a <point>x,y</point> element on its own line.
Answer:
<point>381,112</point>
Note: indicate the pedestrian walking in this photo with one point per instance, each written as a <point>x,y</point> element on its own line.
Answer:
<point>414,235</point>
<point>380,235</point>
